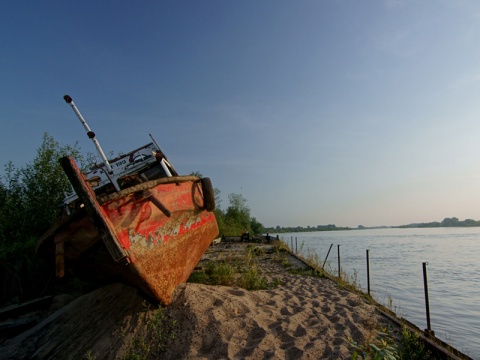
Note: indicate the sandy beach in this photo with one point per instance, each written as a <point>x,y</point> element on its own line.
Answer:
<point>302,317</point>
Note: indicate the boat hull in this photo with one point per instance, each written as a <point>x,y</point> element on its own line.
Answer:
<point>155,233</point>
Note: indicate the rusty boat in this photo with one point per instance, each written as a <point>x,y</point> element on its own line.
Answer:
<point>132,219</point>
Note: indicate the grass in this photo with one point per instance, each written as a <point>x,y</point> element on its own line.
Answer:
<point>412,347</point>
<point>407,347</point>
<point>221,274</point>
<point>382,347</point>
<point>252,280</point>
<point>305,272</point>
<point>235,270</point>
<point>214,274</point>
<point>151,341</point>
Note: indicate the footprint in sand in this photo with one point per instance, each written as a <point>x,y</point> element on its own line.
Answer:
<point>300,331</point>
<point>255,337</point>
<point>312,321</point>
<point>327,309</point>
<point>218,302</point>
<point>271,302</point>
<point>338,341</point>
<point>285,311</point>
<point>237,292</point>
<point>293,353</point>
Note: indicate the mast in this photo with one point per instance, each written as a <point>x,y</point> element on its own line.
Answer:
<point>90,133</point>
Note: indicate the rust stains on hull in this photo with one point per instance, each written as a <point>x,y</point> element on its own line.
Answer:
<point>155,232</point>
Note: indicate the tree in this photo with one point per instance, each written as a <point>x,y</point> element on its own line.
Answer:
<point>218,201</point>
<point>236,218</point>
<point>257,228</point>
<point>30,199</point>
<point>46,184</point>
<point>32,194</point>
<point>197,174</point>
<point>237,215</point>
<point>470,222</point>
<point>450,222</point>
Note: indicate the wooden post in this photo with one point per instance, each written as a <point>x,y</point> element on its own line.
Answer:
<point>326,257</point>
<point>368,272</point>
<point>339,270</point>
<point>428,330</point>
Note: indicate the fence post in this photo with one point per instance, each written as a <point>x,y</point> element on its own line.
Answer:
<point>368,272</point>
<point>326,257</point>
<point>291,243</point>
<point>296,246</point>
<point>339,272</point>
<point>428,330</point>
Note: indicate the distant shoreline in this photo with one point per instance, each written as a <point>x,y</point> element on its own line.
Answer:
<point>446,223</point>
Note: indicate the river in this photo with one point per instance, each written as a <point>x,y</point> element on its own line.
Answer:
<point>396,274</point>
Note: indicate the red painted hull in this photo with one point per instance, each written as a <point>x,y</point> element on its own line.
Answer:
<point>163,250</point>
<point>155,233</point>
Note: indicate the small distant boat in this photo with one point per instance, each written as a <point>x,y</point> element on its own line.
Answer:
<point>134,219</point>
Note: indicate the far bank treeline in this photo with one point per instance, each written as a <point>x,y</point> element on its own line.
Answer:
<point>292,229</point>
<point>447,222</point>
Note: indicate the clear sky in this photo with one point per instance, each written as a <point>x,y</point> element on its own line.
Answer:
<point>317,112</point>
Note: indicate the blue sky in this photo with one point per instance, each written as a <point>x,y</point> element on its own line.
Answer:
<point>317,112</point>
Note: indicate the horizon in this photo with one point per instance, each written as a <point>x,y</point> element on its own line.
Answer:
<point>316,112</point>
<point>376,226</point>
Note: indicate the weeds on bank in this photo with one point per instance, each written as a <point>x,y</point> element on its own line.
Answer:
<point>350,282</point>
<point>408,347</point>
<point>383,347</point>
<point>280,246</point>
<point>151,342</point>
<point>412,347</point>
<point>240,270</point>
<point>252,280</point>
<point>90,356</point>
<point>312,260</point>
<point>220,274</point>
<point>306,272</point>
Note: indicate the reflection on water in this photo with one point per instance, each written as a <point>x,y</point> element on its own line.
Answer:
<point>396,274</point>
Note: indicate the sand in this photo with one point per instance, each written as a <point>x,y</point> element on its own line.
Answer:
<point>303,317</point>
